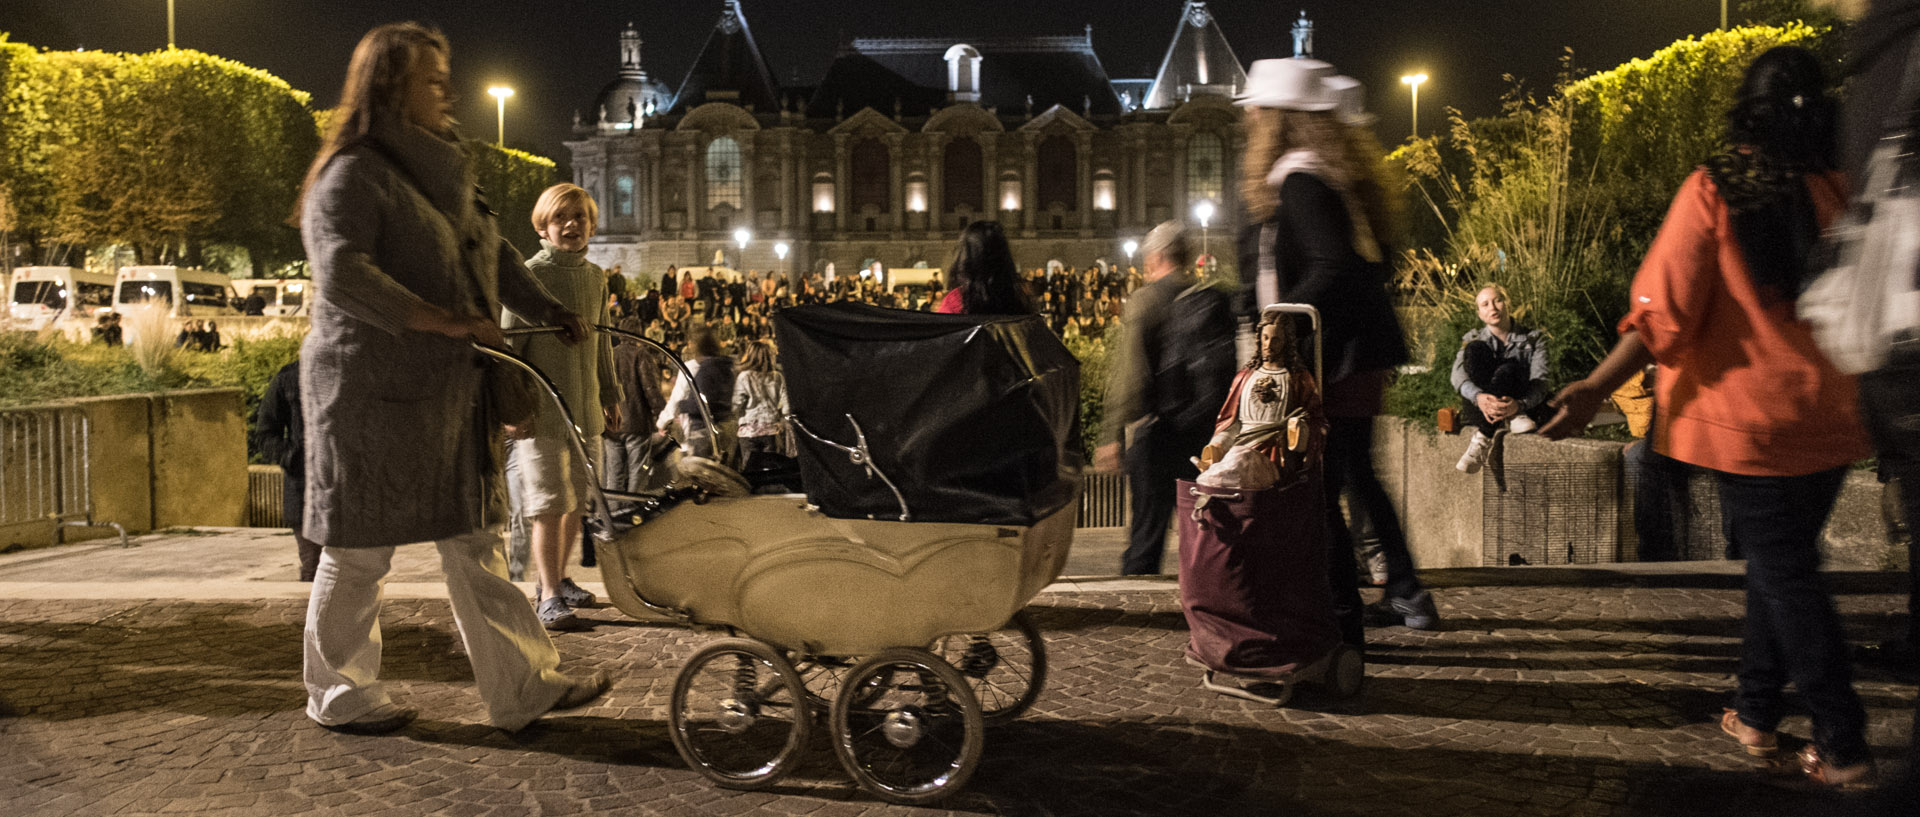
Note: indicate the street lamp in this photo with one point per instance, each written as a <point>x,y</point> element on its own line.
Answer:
<point>1413,81</point>
<point>500,93</point>
<point>1203,212</point>
<point>1130,247</point>
<point>741,236</point>
<point>1723,22</point>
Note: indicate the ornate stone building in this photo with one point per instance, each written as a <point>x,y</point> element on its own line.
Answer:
<point>904,141</point>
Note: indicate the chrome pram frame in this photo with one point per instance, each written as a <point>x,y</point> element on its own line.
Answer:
<point>906,698</point>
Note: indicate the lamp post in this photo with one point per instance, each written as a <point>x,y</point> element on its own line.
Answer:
<point>500,94</point>
<point>1204,213</point>
<point>1723,15</point>
<point>1723,22</point>
<point>1413,81</point>
<point>780,250</point>
<point>1130,247</point>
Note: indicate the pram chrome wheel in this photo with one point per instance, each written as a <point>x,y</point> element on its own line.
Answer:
<point>739,714</point>
<point>1006,668</point>
<point>907,727</point>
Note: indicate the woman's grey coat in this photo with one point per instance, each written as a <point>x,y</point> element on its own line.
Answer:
<point>398,446</point>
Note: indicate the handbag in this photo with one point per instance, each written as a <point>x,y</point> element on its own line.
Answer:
<point>1868,294</point>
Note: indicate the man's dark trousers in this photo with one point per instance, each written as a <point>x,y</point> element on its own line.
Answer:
<point>1159,457</point>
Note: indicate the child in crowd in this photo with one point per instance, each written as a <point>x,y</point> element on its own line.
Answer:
<point>552,483</point>
<point>1501,373</point>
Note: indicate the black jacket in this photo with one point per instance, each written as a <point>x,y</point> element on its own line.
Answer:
<point>1317,265</point>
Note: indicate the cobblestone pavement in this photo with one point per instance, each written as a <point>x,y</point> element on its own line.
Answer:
<point>1547,693</point>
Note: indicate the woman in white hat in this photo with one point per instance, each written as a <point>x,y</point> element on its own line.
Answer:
<point>1317,220</point>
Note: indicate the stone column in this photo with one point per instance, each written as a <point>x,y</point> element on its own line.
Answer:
<point>841,168</point>
<point>990,168</point>
<point>896,190</point>
<point>1029,182</point>
<point>747,173</point>
<point>936,182</point>
<point>696,171</point>
<point>1083,153</point>
<point>651,161</point>
<point>1137,208</point>
<point>786,184</point>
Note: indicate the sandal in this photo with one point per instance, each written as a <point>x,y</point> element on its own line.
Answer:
<point>1840,777</point>
<point>1757,743</point>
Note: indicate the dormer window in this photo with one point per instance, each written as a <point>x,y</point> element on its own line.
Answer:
<point>963,73</point>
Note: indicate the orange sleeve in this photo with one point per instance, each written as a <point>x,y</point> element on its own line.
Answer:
<point>1675,285</point>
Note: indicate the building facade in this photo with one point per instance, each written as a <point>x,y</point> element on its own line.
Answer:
<point>901,144</point>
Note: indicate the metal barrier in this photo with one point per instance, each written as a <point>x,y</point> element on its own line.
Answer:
<point>46,472</point>
<point>266,492</point>
<point>1103,500</point>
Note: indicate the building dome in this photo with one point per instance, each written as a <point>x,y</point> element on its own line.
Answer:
<point>627,98</point>
<point>632,95</point>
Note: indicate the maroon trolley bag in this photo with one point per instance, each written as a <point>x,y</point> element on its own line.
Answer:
<point>1253,579</point>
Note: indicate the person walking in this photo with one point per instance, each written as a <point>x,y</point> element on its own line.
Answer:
<point>409,270</point>
<point>1317,217</point>
<point>1745,393</point>
<point>1174,363</point>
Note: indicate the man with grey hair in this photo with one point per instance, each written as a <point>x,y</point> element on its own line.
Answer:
<point>1172,368</point>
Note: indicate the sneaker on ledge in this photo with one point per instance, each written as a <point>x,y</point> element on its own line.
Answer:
<point>1477,450</point>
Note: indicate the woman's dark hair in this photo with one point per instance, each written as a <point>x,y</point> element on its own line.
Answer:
<point>984,272</point>
<point>1782,127</point>
<point>1784,112</point>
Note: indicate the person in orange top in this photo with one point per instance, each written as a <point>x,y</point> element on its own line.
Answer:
<point>1745,393</point>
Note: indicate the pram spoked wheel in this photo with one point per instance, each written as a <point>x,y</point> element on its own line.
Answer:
<point>739,714</point>
<point>907,727</point>
<point>1006,668</point>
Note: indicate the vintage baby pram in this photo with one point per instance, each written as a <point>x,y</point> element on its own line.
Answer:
<point>1253,582</point>
<point>940,458</point>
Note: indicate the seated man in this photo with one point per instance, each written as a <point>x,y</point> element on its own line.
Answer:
<point>1501,373</point>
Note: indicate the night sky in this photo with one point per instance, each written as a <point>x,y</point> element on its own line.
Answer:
<point>557,54</point>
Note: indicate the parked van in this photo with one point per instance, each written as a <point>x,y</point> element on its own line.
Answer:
<point>190,291</point>
<point>43,295</point>
<point>284,296</point>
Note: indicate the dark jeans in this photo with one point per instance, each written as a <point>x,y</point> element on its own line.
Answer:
<point>1500,377</point>
<point>1792,630</point>
<point>1159,457</point>
<point>1349,467</point>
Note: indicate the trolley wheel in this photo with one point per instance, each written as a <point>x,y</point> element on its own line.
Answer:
<point>907,727</point>
<point>739,714</point>
<point>1007,668</point>
<point>1346,672</point>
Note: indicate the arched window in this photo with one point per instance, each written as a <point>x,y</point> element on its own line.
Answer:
<point>1205,168</point>
<point>1059,173</point>
<point>871,168</point>
<point>724,184</point>
<point>960,177</point>
<point>623,195</point>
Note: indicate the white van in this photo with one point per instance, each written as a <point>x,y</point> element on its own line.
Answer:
<point>43,295</point>
<point>190,291</point>
<point>284,296</point>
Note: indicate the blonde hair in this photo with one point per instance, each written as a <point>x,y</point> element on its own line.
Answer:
<point>375,89</point>
<point>561,195</point>
<point>1353,159</point>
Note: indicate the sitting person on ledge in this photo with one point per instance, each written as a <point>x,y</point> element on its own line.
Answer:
<point>1501,373</point>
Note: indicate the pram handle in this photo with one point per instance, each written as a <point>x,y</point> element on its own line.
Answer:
<point>713,436</point>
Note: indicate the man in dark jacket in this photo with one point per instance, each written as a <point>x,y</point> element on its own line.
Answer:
<point>280,436</point>
<point>1174,365</point>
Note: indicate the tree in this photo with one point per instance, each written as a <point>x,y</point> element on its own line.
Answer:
<point>513,181</point>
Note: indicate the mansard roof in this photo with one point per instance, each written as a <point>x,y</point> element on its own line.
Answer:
<point>730,68</point>
<point>874,72</point>
<point>1198,62</point>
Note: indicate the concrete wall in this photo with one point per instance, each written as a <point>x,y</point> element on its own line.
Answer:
<point>1446,513</point>
<point>163,460</point>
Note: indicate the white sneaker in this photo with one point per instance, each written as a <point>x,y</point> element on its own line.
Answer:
<point>1476,456</point>
<point>1522,424</point>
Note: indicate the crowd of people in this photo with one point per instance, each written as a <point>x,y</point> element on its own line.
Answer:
<point>1744,392</point>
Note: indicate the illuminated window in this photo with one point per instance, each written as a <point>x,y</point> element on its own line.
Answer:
<point>823,193</point>
<point>916,193</point>
<point>1204,172</point>
<point>623,195</point>
<point>724,184</point>
<point>1103,194</point>
<point>1009,192</point>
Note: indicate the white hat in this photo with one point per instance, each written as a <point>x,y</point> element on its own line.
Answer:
<point>1289,84</point>
<point>1351,97</point>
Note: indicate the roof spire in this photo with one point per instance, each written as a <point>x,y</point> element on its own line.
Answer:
<point>630,52</point>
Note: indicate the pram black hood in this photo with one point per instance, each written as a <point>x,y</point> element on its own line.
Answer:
<point>974,418</point>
